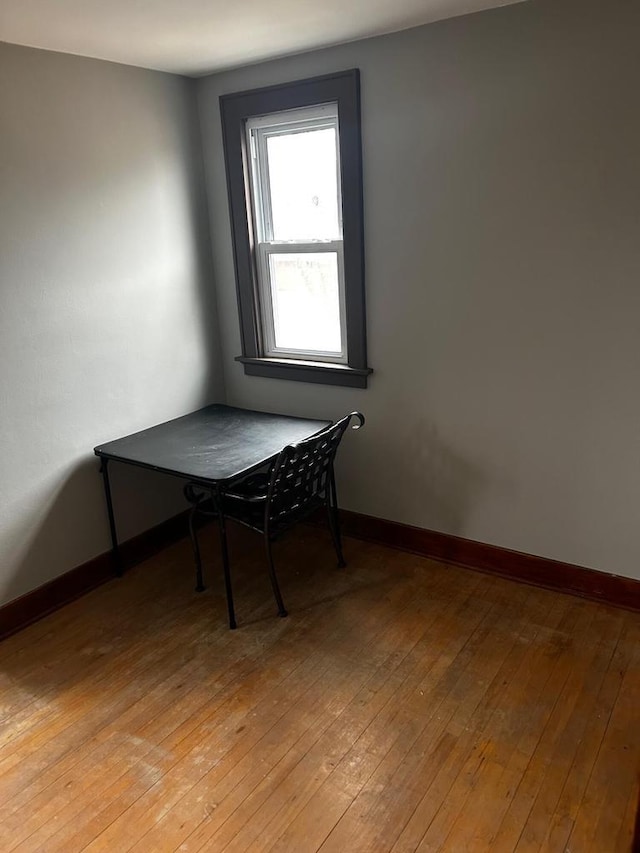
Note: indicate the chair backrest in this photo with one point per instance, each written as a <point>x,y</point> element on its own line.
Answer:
<point>302,472</point>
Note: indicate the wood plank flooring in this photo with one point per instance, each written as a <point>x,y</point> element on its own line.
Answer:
<point>404,705</point>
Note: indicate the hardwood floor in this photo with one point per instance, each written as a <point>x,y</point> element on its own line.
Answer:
<point>404,705</point>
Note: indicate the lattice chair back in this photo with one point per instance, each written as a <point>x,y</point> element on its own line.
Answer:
<point>303,472</point>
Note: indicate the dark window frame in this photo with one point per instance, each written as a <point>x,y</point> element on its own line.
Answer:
<point>342,88</point>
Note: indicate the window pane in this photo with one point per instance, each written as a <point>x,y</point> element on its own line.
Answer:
<point>306,302</point>
<point>304,185</point>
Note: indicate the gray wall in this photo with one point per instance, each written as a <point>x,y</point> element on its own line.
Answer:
<point>502,203</point>
<point>106,311</point>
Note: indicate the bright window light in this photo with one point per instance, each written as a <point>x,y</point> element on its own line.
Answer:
<point>305,298</point>
<point>303,183</point>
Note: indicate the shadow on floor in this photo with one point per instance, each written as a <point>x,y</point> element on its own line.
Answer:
<point>109,631</point>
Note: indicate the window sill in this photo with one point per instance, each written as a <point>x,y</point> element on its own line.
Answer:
<point>321,372</point>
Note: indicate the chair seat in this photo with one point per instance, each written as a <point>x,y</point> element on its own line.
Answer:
<point>253,486</point>
<point>245,503</point>
<point>254,489</point>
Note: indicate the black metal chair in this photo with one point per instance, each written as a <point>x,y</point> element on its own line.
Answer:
<point>299,482</point>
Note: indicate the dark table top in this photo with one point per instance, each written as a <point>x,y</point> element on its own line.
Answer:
<point>214,444</point>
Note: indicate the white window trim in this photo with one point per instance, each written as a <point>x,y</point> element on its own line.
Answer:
<point>258,129</point>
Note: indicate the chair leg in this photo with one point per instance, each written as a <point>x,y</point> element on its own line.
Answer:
<point>200,587</point>
<point>225,567</point>
<point>334,522</point>
<point>274,579</point>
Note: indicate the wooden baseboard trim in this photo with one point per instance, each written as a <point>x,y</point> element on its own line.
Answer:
<point>527,568</point>
<point>20,612</point>
<point>515,565</point>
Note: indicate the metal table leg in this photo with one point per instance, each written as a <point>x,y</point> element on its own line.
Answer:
<point>225,557</point>
<point>334,519</point>
<point>115,548</point>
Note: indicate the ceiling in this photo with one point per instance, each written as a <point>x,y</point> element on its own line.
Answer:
<point>198,36</point>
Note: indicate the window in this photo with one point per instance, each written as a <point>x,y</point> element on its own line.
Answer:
<point>297,216</point>
<point>295,194</point>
